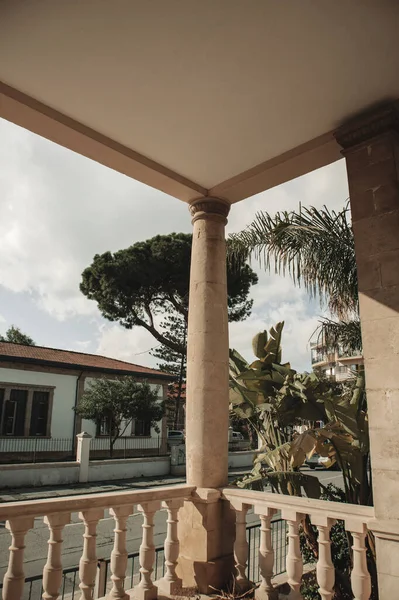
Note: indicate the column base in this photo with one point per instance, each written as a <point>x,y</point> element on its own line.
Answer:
<point>263,594</point>
<point>242,587</point>
<point>207,577</point>
<point>206,534</point>
<point>139,593</point>
<point>169,588</point>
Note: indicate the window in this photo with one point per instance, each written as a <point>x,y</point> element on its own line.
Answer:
<point>104,427</point>
<point>38,421</point>
<point>24,411</point>
<point>142,428</point>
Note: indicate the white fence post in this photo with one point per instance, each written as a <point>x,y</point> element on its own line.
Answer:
<point>83,456</point>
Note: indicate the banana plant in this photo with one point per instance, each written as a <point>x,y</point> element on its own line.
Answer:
<point>272,396</point>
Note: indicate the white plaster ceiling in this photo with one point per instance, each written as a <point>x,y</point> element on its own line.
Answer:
<point>206,88</point>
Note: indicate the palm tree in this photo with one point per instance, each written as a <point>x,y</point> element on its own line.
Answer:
<point>316,248</point>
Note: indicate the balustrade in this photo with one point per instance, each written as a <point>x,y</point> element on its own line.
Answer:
<point>294,510</point>
<point>20,519</point>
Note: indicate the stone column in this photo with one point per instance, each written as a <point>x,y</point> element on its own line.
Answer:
<point>207,403</point>
<point>206,525</point>
<point>371,149</point>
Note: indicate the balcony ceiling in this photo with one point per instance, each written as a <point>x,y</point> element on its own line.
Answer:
<point>197,96</point>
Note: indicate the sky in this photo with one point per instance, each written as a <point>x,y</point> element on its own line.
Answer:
<point>58,209</point>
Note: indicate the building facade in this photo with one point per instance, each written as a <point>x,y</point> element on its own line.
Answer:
<point>335,364</point>
<point>39,389</point>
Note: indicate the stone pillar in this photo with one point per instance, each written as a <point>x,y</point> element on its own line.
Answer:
<point>207,403</point>
<point>83,456</point>
<point>206,524</point>
<point>371,148</point>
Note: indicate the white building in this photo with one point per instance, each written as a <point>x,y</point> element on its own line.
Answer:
<point>39,388</point>
<point>335,364</point>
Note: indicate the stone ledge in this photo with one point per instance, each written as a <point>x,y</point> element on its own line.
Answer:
<point>46,465</point>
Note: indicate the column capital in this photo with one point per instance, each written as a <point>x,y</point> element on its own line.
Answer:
<point>213,209</point>
<point>378,121</point>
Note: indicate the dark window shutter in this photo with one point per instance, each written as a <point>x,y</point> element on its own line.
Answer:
<point>20,397</point>
<point>38,421</point>
<point>2,393</point>
<point>142,427</point>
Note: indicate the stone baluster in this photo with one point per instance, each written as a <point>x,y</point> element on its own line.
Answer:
<point>170,584</point>
<point>146,590</point>
<point>119,553</point>
<point>88,561</point>
<point>325,569</point>
<point>266,590</point>
<point>294,558</point>
<point>14,579</point>
<point>360,577</point>
<point>241,545</point>
<point>52,572</point>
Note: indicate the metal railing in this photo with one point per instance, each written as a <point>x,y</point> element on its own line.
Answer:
<point>70,580</point>
<point>69,586</point>
<point>279,540</point>
<point>128,447</point>
<point>35,449</point>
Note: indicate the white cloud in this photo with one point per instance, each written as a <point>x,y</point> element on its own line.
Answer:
<point>83,345</point>
<point>131,345</point>
<point>281,301</point>
<point>58,209</point>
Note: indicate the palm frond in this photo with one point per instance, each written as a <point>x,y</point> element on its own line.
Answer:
<point>315,247</point>
<point>342,334</point>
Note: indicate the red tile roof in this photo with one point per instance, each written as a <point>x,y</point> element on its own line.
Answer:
<point>68,359</point>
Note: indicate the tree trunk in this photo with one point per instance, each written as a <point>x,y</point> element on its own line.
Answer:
<point>111,446</point>
<point>180,384</point>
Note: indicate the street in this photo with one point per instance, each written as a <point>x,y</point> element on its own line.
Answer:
<point>36,540</point>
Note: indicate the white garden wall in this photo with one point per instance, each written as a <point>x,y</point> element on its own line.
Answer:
<point>42,474</point>
<point>127,468</point>
<point>39,474</point>
<point>242,459</point>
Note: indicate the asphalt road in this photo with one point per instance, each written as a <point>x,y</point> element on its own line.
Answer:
<point>36,539</point>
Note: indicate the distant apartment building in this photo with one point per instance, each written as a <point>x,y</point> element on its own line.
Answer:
<point>334,364</point>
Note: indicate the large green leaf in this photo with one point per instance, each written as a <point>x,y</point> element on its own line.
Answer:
<point>275,458</point>
<point>273,346</point>
<point>346,415</point>
<point>258,344</point>
<point>237,361</point>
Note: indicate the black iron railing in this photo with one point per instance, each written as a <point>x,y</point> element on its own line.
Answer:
<point>128,447</point>
<point>35,449</point>
<point>279,541</point>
